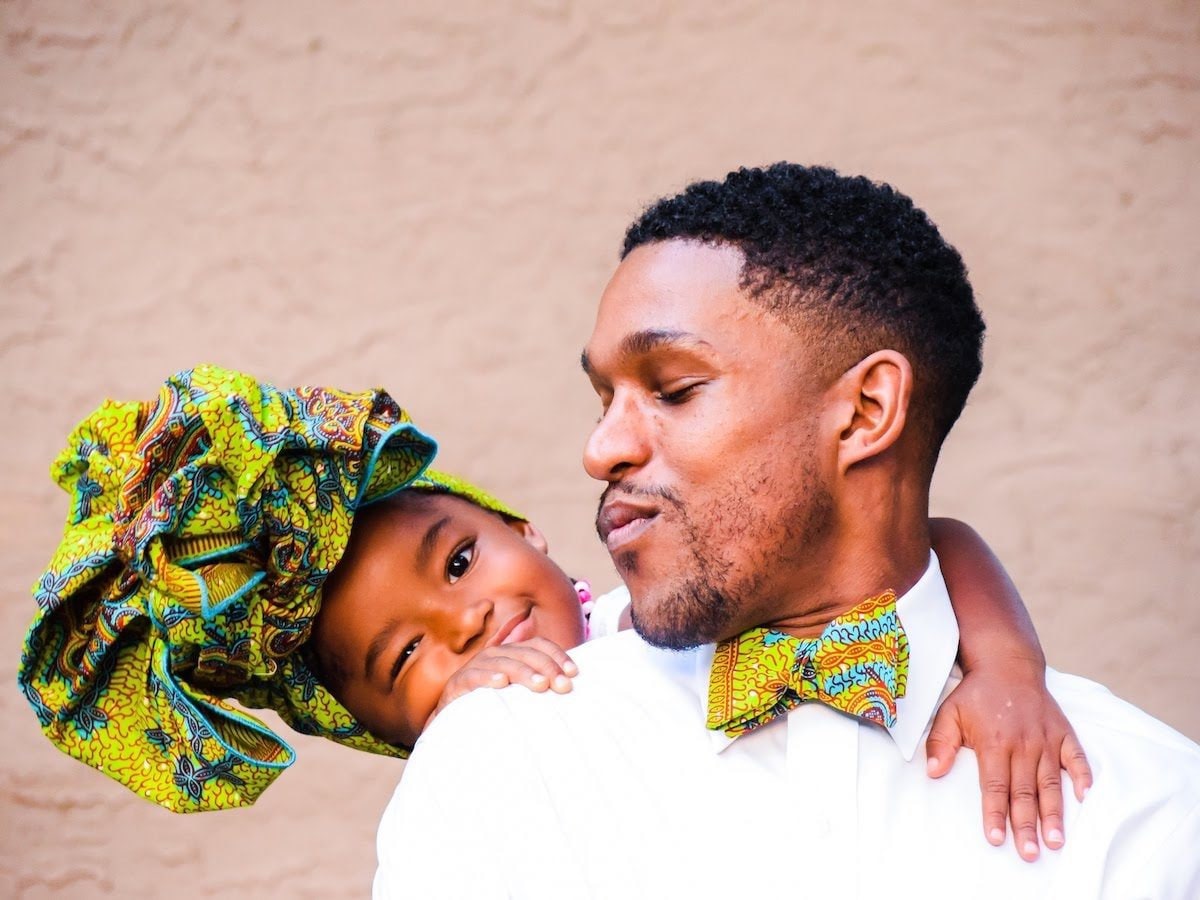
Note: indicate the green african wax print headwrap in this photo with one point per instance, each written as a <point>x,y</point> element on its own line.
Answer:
<point>202,526</point>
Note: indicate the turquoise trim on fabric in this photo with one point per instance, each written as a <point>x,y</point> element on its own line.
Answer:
<point>369,469</point>
<point>208,613</point>
<point>162,669</point>
<point>198,558</point>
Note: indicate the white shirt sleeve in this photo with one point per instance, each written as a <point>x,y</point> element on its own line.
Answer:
<point>1168,870</point>
<point>1179,857</point>
<point>455,824</point>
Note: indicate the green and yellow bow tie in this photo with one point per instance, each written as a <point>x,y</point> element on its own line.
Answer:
<point>858,665</point>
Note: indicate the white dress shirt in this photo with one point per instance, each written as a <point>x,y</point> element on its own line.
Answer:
<point>618,790</point>
<point>605,617</point>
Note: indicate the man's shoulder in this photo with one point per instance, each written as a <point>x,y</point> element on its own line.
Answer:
<point>619,677</point>
<point>1092,705</point>
<point>623,663</point>
<point>626,647</point>
<point>1119,737</point>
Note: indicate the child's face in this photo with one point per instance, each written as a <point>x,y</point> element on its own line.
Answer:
<point>423,587</point>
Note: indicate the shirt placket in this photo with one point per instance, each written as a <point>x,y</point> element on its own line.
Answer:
<point>822,770</point>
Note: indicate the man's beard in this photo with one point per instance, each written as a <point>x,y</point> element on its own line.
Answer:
<point>693,613</point>
<point>697,615</point>
<point>709,598</point>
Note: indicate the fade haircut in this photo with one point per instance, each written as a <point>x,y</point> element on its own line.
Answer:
<point>853,265</point>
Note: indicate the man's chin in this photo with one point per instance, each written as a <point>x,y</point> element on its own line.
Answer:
<point>683,619</point>
<point>664,638</point>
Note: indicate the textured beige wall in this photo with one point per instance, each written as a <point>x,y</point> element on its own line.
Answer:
<point>430,197</point>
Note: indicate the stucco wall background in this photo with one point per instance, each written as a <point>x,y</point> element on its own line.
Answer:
<point>430,196</point>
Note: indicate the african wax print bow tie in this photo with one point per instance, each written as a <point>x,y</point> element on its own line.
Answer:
<point>858,665</point>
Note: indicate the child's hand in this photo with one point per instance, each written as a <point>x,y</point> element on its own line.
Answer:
<point>1020,738</point>
<point>538,664</point>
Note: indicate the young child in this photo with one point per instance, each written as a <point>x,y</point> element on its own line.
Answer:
<point>199,559</point>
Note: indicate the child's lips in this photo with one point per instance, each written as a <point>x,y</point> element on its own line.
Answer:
<point>519,628</point>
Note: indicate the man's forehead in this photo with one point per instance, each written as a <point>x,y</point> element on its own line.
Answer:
<point>675,270</point>
<point>668,292</point>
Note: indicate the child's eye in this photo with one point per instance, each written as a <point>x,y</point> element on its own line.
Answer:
<point>404,657</point>
<point>459,562</point>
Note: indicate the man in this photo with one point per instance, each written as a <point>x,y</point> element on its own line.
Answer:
<point>779,358</point>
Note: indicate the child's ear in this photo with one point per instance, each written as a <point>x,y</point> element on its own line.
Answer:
<point>530,532</point>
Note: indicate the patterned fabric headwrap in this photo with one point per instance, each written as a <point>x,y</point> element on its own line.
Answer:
<point>202,526</point>
<point>858,665</point>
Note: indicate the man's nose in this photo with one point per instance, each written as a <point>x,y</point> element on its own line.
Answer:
<point>619,441</point>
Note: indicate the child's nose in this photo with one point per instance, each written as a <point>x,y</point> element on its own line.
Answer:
<point>465,621</point>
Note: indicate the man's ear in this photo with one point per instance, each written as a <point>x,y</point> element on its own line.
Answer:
<point>530,532</point>
<point>875,394</point>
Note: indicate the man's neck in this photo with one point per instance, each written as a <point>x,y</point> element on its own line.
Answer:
<point>876,554</point>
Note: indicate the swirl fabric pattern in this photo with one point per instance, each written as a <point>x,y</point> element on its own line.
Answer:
<point>201,528</point>
<point>858,665</point>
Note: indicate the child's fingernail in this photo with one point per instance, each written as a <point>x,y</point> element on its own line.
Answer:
<point>996,836</point>
<point>930,764</point>
<point>1054,836</point>
<point>538,678</point>
<point>570,668</point>
<point>1031,848</point>
<point>562,683</point>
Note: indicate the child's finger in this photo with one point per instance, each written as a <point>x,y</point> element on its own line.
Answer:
<point>517,671</point>
<point>558,654</point>
<point>1075,761</point>
<point>1023,804</point>
<point>945,738</point>
<point>463,682</point>
<point>994,783</point>
<point>1050,800</point>
<point>543,656</point>
<point>528,666</point>
<point>470,678</point>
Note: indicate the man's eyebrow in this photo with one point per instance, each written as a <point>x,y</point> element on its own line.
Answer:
<point>429,541</point>
<point>639,343</point>
<point>378,644</point>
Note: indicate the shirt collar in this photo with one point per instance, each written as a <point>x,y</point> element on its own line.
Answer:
<point>932,632</point>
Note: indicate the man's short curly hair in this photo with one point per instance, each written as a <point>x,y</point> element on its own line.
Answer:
<point>854,265</point>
